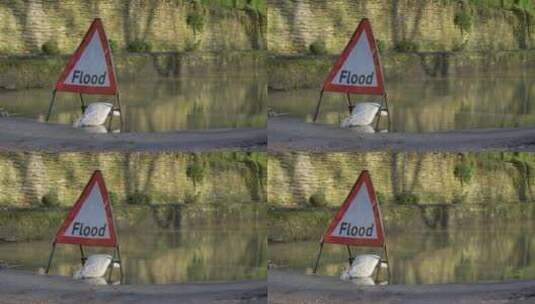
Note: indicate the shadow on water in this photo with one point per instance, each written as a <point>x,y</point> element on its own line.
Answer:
<point>431,105</point>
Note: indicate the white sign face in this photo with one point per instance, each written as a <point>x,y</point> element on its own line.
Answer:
<point>359,219</point>
<point>358,68</point>
<point>91,220</point>
<point>90,69</point>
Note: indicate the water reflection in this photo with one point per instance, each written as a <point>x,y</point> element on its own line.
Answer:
<point>164,245</point>
<point>466,251</point>
<point>157,104</point>
<point>433,104</point>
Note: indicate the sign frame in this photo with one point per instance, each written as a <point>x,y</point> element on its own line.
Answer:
<point>363,179</point>
<point>363,27</point>
<point>96,28</point>
<point>96,180</point>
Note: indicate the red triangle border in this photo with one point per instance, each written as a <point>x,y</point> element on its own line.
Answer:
<point>364,25</point>
<point>60,238</point>
<point>96,26</point>
<point>364,178</point>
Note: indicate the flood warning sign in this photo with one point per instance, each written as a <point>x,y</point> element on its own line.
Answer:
<point>90,69</point>
<point>358,69</point>
<point>90,220</point>
<point>358,221</point>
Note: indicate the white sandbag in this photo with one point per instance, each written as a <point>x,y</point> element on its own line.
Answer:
<point>364,265</point>
<point>95,267</point>
<point>362,115</point>
<point>95,114</point>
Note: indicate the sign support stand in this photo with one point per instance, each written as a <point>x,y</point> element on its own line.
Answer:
<point>351,259</point>
<point>116,258</point>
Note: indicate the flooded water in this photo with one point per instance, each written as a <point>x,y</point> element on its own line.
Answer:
<point>484,101</point>
<point>177,222</point>
<point>161,104</point>
<point>481,249</point>
<point>162,245</point>
<point>463,217</point>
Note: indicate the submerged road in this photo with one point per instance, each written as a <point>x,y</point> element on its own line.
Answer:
<point>20,134</point>
<point>290,134</point>
<point>288,287</point>
<point>26,287</point>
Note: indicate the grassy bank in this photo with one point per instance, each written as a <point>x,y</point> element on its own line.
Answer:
<point>18,224</point>
<point>298,224</point>
<point>283,72</point>
<point>42,71</point>
<point>309,71</point>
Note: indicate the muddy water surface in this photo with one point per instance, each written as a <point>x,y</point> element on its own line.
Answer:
<point>431,105</point>
<point>154,104</point>
<point>158,245</point>
<point>429,249</point>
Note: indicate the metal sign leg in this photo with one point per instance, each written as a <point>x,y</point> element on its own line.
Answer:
<point>387,262</point>
<point>387,112</point>
<point>120,265</point>
<point>82,253</point>
<point>318,258</point>
<point>121,114</point>
<point>51,105</point>
<point>317,113</point>
<point>83,106</point>
<point>349,104</point>
<point>351,259</point>
<point>111,265</point>
<point>50,258</point>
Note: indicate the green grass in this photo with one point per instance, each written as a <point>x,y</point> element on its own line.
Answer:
<point>513,5</point>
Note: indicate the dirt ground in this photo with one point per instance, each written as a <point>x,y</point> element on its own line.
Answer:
<point>21,287</point>
<point>287,287</point>
<point>19,134</point>
<point>289,134</point>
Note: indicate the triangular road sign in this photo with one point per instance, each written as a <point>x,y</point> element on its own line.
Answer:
<point>358,221</point>
<point>90,69</point>
<point>358,69</point>
<point>90,221</point>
